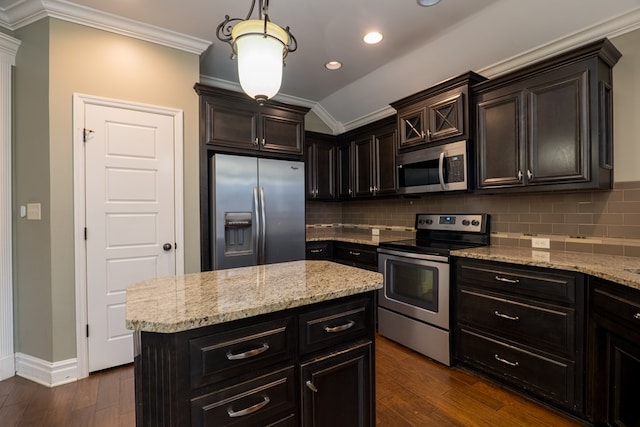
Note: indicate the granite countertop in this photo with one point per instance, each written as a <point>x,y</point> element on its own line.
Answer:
<point>353,237</point>
<point>619,269</point>
<point>179,303</point>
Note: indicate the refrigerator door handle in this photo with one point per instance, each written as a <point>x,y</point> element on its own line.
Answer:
<point>263,242</point>
<point>256,205</point>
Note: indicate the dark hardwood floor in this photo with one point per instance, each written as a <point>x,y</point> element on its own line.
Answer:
<point>411,391</point>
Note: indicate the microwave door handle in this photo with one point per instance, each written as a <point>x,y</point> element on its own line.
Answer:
<point>441,171</point>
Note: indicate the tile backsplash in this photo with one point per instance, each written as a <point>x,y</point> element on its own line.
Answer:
<point>586,221</point>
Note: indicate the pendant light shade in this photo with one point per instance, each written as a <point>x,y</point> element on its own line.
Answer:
<point>260,57</point>
<point>260,47</point>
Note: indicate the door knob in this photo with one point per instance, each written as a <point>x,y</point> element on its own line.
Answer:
<point>167,246</point>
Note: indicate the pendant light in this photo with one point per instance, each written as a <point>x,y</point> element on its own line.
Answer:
<point>260,47</point>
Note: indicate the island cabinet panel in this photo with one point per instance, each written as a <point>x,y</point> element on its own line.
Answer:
<point>523,326</point>
<point>548,126</point>
<point>613,354</point>
<point>232,122</point>
<point>255,371</point>
<point>337,388</point>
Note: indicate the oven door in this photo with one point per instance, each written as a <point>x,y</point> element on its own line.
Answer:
<point>416,286</point>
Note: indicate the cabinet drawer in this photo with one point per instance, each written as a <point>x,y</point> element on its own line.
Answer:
<point>554,286</point>
<point>549,327</point>
<point>551,378</point>
<point>266,400</point>
<point>334,325</point>
<point>618,305</point>
<point>359,255</point>
<point>319,250</point>
<point>229,354</point>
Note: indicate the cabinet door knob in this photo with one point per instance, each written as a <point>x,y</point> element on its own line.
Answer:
<point>263,142</point>
<point>255,141</point>
<point>519,175</point>
<point>636,316</point>
<point>529,174</point>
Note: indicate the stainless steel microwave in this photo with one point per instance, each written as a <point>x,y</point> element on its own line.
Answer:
<point>434,169</point>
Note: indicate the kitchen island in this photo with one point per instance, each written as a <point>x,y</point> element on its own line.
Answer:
<point>280,344</point>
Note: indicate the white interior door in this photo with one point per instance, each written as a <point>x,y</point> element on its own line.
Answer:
<point>130,224</point>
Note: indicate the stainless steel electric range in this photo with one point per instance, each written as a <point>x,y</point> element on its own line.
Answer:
<point>413,305</point>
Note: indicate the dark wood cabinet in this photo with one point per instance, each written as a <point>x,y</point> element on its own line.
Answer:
<point>232,122</point>
<point>336,388</point>
<point>548,124</point>
<point>356,255</point>
<point>344,169</point>
<point>366,160</point>
<point>319,250</point>
<point>613,354</point>
<point>524,326</point>
<point>436,115</point>
<point>320,166</point>
<point>262,370</point>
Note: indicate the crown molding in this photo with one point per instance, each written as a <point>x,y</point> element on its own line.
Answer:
<point>610,28</point>
<point>26,12</point>
<point>9,48</point>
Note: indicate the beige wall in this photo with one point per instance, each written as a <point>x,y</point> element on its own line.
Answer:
<point>88,61</point>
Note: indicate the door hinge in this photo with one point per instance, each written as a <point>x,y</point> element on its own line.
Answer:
<point>87,330</point>
<point>86,133</point>
<point>85,233</point>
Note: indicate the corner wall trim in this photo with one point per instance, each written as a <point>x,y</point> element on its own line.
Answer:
<point>49,374</point>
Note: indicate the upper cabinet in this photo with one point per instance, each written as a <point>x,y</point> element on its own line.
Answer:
<point>436,115</point>
<point>320,165</point>
<point>235,123</point>
<point>366,160</point>
<point>548,126</point>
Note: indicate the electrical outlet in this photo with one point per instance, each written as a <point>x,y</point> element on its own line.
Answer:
<point>540,243</point>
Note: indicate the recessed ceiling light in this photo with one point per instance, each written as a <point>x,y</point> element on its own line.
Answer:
<point>428,2</point>
<point>372,38</point>
<point>333,65</point>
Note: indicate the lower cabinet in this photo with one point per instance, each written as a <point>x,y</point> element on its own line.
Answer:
<point>336,388</point>
<point>308,366</point>
<point>319,250</point>
<point>523,326</point>
<point>356,255</point>
<point>614,354</point>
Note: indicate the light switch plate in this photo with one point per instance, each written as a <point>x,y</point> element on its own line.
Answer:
<point>541,243</point>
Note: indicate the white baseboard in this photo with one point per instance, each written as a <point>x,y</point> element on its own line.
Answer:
<point>7,367</point>
<point>46,373</point>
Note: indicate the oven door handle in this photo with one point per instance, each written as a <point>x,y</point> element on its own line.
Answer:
<point>441,170</point>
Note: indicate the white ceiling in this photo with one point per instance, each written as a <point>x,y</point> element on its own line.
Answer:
<point>421,46</point>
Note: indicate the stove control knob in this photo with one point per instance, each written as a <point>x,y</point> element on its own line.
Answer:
<point>465,222</point>
<point>475,223</point>
<point>429,221</point>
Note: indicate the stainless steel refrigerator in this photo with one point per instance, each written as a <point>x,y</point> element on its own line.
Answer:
<point>259,211</point>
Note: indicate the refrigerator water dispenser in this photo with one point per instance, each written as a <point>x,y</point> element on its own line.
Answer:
<point>237,233</point>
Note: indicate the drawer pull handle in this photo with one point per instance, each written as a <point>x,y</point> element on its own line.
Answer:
<point>354,253</point>
<point>636,316</point>
<point>505,361</point>
<point>311,387</point>
<point>250,409</point>
<point>340,328</point>
<point>506,316</point>
<point>248,354</point>
<point>504,279</point>
<point>316,251</point>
